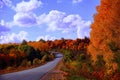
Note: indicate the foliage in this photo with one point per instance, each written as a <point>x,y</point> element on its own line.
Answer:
<point>105,30</point>
<point>113,46</point>
<point>45,58</point>
<point>29,52</point>
<point>81,57</point>
<point>100,61</point>
<point>117,59</point>
<point>76,77</point>
<point>36,61</point>
<point>67,56</point>
<point>24,42</point>
<point>105,40</point>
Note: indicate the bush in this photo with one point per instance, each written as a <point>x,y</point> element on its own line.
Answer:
<point>9,68</point>
<point>25,63</point>
<point>52,56</point>
<point>81,57</point>
<point>36,61</point>
<point>67,56</point>
<point>76,65</point>
<point>45,58</point>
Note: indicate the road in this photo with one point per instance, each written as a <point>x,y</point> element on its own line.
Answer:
<point>32,74</point>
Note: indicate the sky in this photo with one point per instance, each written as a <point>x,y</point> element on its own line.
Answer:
<point>33,20</point>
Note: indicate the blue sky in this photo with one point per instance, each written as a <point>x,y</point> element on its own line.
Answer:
<point>47,19</point>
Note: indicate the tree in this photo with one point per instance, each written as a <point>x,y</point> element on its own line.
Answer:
<point>67,56</point>
<point>42,40</point>
<point>105,29</point>
<point>24,42</point>
<point>29,52</point>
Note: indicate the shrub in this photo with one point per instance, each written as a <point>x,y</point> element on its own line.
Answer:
<point>81,57</point>
<point>36,61</point>
<point>67,56</point>
<point>45,58</point>
<point>25,63</point>
<point>9,68</point>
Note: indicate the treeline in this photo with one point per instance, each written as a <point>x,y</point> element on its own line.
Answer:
<point>32,52</point>
<point>60,45</point>
<point>15,55</point>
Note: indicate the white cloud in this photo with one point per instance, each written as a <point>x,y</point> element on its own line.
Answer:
<point>76,1</point>
<point>46,37</point>
<point>13,37</point>
<point>60,21</point>
<point>25,16</point>
<point>25,19</point>
<point>54,20</point>
<point>83,29</point>
<point>27,6</point>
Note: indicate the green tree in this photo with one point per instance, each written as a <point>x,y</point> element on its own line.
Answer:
<point>29,52</point>
<point>67,56</point>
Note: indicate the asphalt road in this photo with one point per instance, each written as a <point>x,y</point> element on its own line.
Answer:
<point>32,74</point>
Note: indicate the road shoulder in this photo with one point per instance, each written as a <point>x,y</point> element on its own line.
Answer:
<point>55,74</point>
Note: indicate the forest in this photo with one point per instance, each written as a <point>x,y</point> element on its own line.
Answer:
<point>32,52</point>
<point>16,55</point>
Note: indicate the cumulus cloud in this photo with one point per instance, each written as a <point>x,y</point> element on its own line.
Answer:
<point>6,37</point>
<point>76,1</point>
<point>46,37</point>
<point>24,19</point>
<point>13,37</point>
<point>57,20</point>
<point>24,13</point>
<point>83,29</point>
<point>27,6</point>
<point>54,20</point>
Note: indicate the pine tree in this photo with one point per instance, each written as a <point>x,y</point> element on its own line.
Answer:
<point>105,33</point>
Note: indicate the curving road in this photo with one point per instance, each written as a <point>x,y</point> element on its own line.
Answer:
<point>32,74</point>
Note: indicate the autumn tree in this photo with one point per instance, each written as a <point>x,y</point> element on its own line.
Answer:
<point>29,52</point>
<point>105,33</point>
<point>24,42</point>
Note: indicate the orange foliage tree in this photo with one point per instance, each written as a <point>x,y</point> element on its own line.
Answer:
<point>105,33</point>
